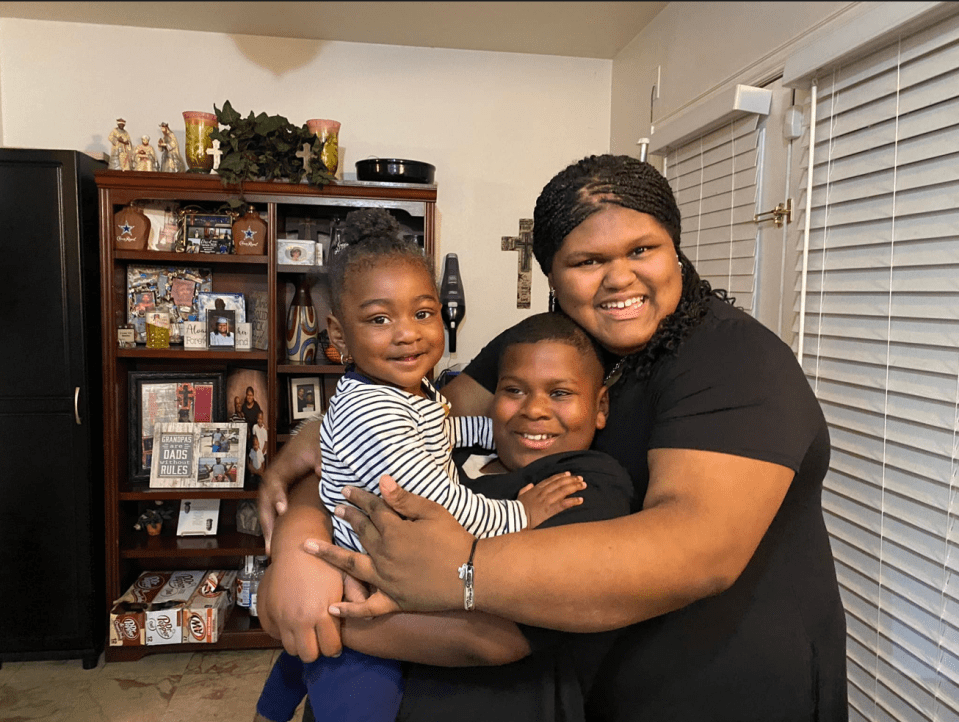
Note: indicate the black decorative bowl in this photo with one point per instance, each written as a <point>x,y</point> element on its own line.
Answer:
<point>394,170</point>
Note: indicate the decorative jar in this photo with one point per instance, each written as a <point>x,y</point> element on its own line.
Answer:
<point>199,126</point>
<point>329,132</point>
<point>249,234</point>
<point>302,328</point>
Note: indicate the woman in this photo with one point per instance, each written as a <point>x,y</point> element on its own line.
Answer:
<point>723,578</point>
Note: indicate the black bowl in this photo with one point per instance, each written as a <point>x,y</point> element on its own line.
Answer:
<point>394,170</point>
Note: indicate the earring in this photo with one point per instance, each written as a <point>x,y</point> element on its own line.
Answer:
<point>553,306</point>
<point>345,360</point>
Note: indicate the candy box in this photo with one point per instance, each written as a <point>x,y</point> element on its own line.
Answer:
<point>205,614</point>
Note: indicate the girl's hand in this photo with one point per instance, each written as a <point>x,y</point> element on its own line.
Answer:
<point>548,498</point>
<point>411,560</point>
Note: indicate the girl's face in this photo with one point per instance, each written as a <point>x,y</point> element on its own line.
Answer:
<point>389,322</point>
<point>617,275</point>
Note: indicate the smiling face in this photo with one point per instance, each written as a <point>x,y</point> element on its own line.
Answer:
<point>389,322</point>
<point>618,276</point>
<point>549,398</point>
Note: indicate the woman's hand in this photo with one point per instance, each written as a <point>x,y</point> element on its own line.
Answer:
<point>412,562</point>
<point>298,457</point>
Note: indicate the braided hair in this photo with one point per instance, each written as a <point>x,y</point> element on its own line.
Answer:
<point>587,187</point>
<point>370,236</point>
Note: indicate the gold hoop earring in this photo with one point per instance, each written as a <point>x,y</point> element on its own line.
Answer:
<point>345,360</point>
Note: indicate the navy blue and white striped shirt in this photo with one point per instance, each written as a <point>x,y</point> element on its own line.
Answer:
<point>370,430</point>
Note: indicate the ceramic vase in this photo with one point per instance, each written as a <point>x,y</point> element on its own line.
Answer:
<point>329,132</point>
<point>249,234</point>
<point>302,328</point>
<point>199,126</point>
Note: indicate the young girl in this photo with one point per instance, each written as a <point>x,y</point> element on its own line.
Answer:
<point>387,418</point>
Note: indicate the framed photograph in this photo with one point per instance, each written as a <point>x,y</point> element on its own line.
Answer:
<point>221,330</point>
<point>157,398</point>
<point>296,253</point>
<point>208,301</point>
<point>209,455</point>
<point>169,289</point>
<point>206,232</point>
<point>305,396</point>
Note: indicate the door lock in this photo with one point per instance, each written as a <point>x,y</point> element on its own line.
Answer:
<point>781,213</point>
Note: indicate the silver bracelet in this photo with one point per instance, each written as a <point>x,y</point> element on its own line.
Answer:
<point>466,574</point>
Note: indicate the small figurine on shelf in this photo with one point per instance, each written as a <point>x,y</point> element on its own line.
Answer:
<point>170,159</point>
<point>121,154</point>
<point>146,156</point>
<point>152,518</point>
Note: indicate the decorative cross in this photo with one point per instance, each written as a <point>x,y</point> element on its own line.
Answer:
<point>216,153</point>
<point>305,154</point>
<point>524,272</point>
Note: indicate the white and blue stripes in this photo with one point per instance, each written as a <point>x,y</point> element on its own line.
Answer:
<point>370,430</point>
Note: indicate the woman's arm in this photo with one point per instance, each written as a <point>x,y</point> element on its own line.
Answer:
<point>443,639</point>
<point>467,397</point>
<point>703,518</point>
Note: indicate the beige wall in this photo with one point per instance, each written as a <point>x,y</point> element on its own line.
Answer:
<point>699,48</point>
<point>497,126</point>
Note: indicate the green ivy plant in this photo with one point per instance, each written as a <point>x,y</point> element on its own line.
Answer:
<point>264,147</point>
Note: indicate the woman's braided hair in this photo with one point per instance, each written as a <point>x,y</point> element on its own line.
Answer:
<point>587,187</point>
<point>370,236</point>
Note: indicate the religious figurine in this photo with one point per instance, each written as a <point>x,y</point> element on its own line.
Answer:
<point>146,157</point>
<point>121,155</point>
<point>170,159</point>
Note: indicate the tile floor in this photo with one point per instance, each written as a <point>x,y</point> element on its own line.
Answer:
<point>203,686</point>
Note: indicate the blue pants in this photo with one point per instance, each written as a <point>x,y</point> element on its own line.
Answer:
<point>353,687</point>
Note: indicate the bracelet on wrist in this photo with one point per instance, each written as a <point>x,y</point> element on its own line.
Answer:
<point>466,574</point>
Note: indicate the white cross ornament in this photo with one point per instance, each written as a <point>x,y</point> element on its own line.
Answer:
<point>216,153</point>
<point>305,154</point>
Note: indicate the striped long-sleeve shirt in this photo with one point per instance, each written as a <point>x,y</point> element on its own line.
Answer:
<point>370,430</point>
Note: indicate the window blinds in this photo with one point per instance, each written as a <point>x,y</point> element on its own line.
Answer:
<point>881,351</point>
<point>715,179</point>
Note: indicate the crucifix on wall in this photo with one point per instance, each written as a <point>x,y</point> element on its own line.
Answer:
<point>524,272</point>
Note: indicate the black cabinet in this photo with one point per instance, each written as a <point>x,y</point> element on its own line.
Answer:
<point>51,507</point>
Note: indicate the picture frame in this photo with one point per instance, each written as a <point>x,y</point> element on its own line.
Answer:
<point>171,289</point>
<point>207,301</point>
<point>198,517</point>
<point>221,330</point>
<point>157,397</point>
<point>306,397</point>
<point>295,253</point>
<point>206,455</point>
<point>206,232</point>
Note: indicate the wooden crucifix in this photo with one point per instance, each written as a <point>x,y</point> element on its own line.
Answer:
<point>304,154</point>
<point>524,272</point>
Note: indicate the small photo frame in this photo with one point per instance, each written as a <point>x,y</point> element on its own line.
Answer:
<point>305,396</point>
<point>210,301</point>
<point>296,253</point>
<point>221,330</point>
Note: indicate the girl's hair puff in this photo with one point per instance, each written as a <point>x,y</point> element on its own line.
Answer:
<point>370,237</point>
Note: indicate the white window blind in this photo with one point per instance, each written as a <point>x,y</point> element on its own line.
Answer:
<point>881,350</point>
<point>715,179</point>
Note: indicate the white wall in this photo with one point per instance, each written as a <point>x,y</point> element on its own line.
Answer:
<point>497,126</point>
<point>699,47</point>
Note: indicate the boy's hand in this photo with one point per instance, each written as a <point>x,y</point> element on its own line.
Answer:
<point>548,498</point>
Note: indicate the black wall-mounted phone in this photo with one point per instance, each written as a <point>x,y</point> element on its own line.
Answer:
<point>452,300</point>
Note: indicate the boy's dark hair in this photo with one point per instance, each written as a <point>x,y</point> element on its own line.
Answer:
<point>551,327</point>
<point>370,235</point>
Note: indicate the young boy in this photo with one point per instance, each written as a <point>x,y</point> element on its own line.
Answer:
<point>549,402</point>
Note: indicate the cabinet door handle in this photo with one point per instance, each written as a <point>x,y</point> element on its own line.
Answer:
<point>76,405</point>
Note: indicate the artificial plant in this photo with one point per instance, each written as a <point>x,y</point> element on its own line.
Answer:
<point>264,147</point>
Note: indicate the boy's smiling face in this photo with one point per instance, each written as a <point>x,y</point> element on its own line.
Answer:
<point>549,398</point>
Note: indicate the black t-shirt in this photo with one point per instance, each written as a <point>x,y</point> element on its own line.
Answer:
<point>550,684</point>
<point>772,646</point>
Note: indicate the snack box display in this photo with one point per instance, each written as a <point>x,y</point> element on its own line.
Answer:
<point>205,613</point>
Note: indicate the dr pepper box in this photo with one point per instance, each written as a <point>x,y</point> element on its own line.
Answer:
<point>151,610</point>
<point>206,611</point>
